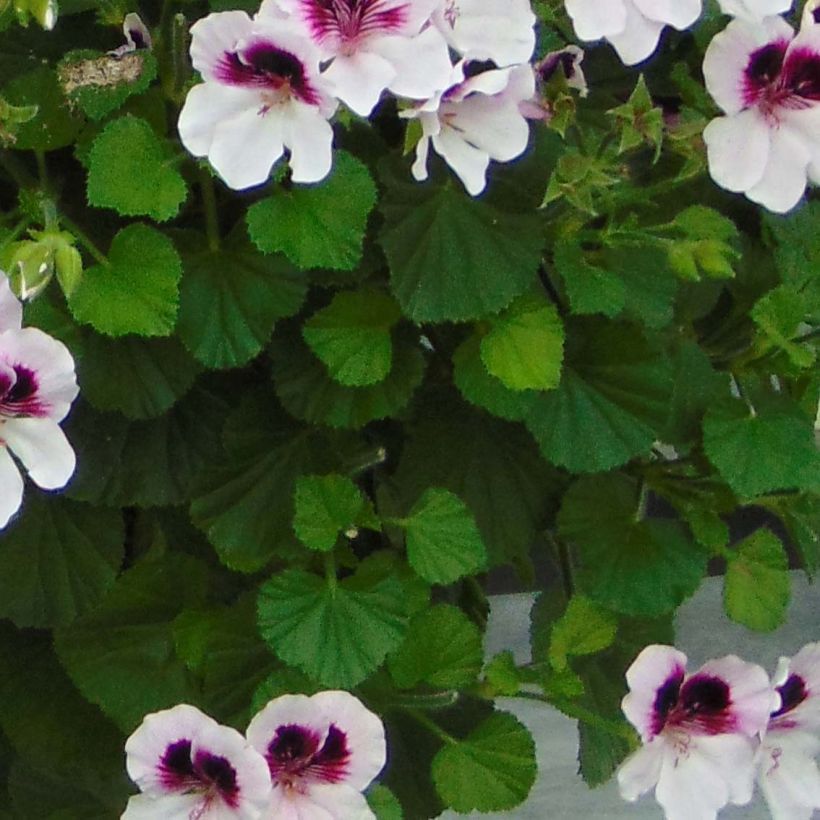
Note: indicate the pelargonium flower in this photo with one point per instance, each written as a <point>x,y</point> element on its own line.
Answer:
<point>322,751</point>
<point>498,30</point>
<point>37,386</point>
<point>787,772</point>
<point>262,94</point>
<point>754,9</point>
<point>697,731</point>
<point>475,120</point>
<point>633,27</point>
<point>373,45</point>
<point>767,81</point>
<point>188,766</point>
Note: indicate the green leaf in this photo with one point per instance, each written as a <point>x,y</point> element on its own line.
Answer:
<point>308,225</point>
<point>130,170</point>
<point>453,257</point>
<point>590,288</point>
<point>638,567</point>
<point>244,500</point>
<point>327,505</point>
<point>230,300</point>
<point>442,648</point>
<point>336,634</point>
<point>57,560</point>
<point>492,769</point>
<point>801,515</point>
<point>524,348</point>
<point>144,463</point>
<point>98,83</point>
<point>583,629</point>
<point>129,637</point>
<point>442,539</point>
<point>612,401</point>
<point>769,448</point>
<point>780,316</point>
<point>501,675</point>
<point>383,803</point>
<point>137,291</point>
<point>140,378</point>
<point>352,336</point>
<point>757,588</point>
<point>307,391</point>
<point>797,243</point>
<point>490,464</point>
<point>54,126</point>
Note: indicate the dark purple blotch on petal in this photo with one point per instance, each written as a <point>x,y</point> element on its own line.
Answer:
<point>216,773</point>
<point>801,74</point>
<point>295,752</point>
<point>19,397</point>
<point>330,764</point>
<point>176,769</point>
<point>665,700</point>
<point>792,693</point>
<point>352,20</point>
<point>704,703</point>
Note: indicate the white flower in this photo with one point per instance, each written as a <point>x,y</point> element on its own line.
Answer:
<point>188,766</point>
<point>767,81</point>
<point>632,26</point>
<point>754,9</point>
<point>262,94</point>
<point>477,119</point>
<point>373,45</point>
<point>37,386</point>
<point>697,731</point>
<point>322,751</point>
<point>787,773</point>
<point>498,30</point>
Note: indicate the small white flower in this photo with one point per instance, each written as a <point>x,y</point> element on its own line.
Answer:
<point>37,386</point>
<point>767,81</point>
<point>754,9</point>
<point>477,119</point>
<point>188,766</point>
<point>697,731</point>
<point>786,770</point>
<point>498,30</point>
<point>633,27</point>
<point>322,752</point>
<point>262,94</point>
<point>373,45</point>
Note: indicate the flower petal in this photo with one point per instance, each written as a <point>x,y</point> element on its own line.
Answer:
<point>11,485</point>
<point>287,710</point>
<point>788,775</point>
<point>805,668</point>
<point>309,136</point>
<point>358,79</point>
<point>11,310</point>
<point>678,13</point>
<point>786,173</point>
<point>737,149</point>
<point>206,105</point>
<point>168,807</point>
<point>638,39</point>
<point>44,450</point>
<point>213,36</point>
<point>641,770</point>
<point>592,21</point>
<point>469,163</point>
<point>422,63</point>
<point>341,802</point>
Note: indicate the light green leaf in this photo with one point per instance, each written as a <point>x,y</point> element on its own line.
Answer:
<point>307,391</point>
<point>57,560</point>
<point>501,675</point>
<point>757,589</point>
<point>453,257</point>
<point>442,648</point>
<point>638,567</point>
<point>583,629</point>
<point>336,634</point>
<point>327,505</point>
<point>137,292</point>
<point>352,336</point>
<point>230,299</point>
<point>591,288</point>
<point>140,378</point>
<point>612,401</point>
<point>779,316</point>
<point>492,769</point>
<point>384,803</point>
<point>442,539</point>
<point>770,448</point>
<point>321,226</point>
<point>129,637</point>
<point>524,348</point>
<point>130,170</point>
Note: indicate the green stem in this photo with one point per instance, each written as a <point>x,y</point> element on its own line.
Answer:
<point>363,462</point>
<point>432,726</point>
<point>15,232</point>
<point>643,499</point>
<point>83,239</point>
<point>742,393</point>
<point>576,712</point>
<point>206,185</point>
<point>42,168</point>
<point>330,572</point>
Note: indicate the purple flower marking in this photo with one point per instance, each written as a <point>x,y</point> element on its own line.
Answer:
<point>352,20</point>
<point>777,78</point>
<point>18,394</point>
<point>294,752</point>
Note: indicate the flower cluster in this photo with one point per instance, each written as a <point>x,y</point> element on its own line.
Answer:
<point>37,386</point>
<point>708,736</point>
<point>303,758</point>
<point>273,81</point>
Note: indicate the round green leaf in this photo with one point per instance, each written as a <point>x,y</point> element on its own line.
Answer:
<point>352,336</point>
<point>137,291</point>
<point>442,539</point>
<point>492,769</point>
<point>384,804</point>
<point>336,634</point>
<point>583,629</point>
<point>308,225</point>
<point>130,170</point>
<point>57,560</point>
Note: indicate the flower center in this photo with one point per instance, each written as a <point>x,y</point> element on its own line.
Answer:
<point>699,705</point>
<point>776,79</point>
<point>351,21</point>
<point>207,774</point>
<point>294,755</point>
<point>18,392</point>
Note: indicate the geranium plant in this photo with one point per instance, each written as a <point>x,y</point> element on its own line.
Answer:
<point>317,317</point>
